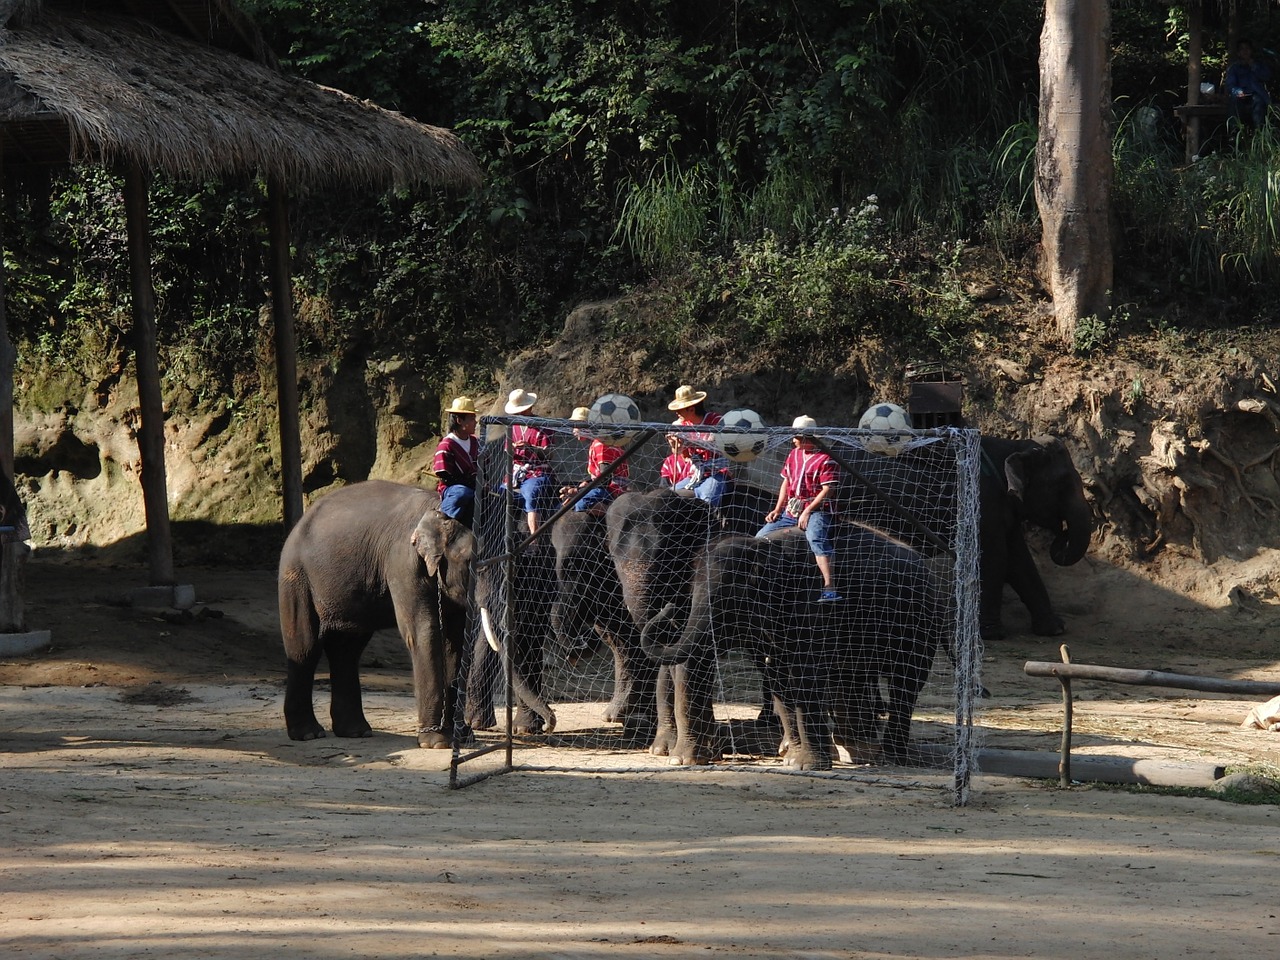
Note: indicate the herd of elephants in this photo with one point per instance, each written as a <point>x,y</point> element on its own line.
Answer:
<point>667,584</point>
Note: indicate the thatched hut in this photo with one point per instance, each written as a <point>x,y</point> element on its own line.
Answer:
<point>188,89</point>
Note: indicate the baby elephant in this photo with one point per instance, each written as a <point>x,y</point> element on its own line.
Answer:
<point>367,557</point>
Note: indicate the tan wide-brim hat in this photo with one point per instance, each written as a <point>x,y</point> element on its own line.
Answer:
<point>520,401</point>
<point>463,405</point>
<point>686,396</point>
<point>579,414</point>
<point>803,423</point>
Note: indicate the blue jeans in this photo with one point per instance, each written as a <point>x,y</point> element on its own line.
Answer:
<point>817,531</point>
<point>458,501</point>
<point>536,492</point>
<point>600,495</point>
<point>710,488</point>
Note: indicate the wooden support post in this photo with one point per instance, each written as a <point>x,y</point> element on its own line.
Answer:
<point>286,354</point>
<point>1064,763</point>
<point>1195,53</point>
<point>155,496</point>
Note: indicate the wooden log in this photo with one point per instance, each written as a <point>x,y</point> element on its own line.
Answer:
<point>1085,768</point>
<point>1151,678</point>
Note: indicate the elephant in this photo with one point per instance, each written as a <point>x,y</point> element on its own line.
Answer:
<point>589,607</point>
<point>823,661</point>
<point>531,593</point>
<point>654,538</point>
<point>1025,481</point>
<point>367,557</point>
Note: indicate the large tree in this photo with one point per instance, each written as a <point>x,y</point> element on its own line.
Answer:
<point>1073,158</point>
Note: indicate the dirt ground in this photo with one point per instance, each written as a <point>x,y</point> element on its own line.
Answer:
<point>152,806</point>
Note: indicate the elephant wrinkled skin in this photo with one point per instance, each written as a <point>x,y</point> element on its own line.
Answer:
<point>367,557</point>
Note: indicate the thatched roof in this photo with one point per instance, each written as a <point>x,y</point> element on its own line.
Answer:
<point>111,87</point>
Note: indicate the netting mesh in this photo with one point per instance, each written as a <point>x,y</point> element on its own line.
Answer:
<point>658,621</point>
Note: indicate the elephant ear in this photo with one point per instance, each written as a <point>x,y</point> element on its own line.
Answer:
<point>430,538</point>
<point>1020,468</point>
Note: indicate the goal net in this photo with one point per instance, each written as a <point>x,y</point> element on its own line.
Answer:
<point>645,626</point>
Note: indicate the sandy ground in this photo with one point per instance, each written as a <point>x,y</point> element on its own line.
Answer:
<point>151,805</point>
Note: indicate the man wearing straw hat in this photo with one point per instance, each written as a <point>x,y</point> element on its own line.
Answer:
<point>708,475</point>
<point>599,456</point>
<point>809,479</point>
<point>455,462</point>
<point>531,473</point>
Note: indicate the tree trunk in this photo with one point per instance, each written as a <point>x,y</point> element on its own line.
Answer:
<point>1073,159</point>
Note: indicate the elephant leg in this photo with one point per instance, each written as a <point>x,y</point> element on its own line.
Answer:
<point>696,742</point>
<point>854,711</point>
<point>788,724</point>
<point>481,681</point>
<point>345,708</point>
<point>1024,576</point>
<point>633,687</point>
<point>811,745</point>
<point>299,711</point>
<point>904,690</point>
<point>526,662</point>
<point>993,544</point>
<point>664,737</point>
<point>432,681</point>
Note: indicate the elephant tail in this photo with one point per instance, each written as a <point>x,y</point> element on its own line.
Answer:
<point>518,683</point>
<point>299,623</point>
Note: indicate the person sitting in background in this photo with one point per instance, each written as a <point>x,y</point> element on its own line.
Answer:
<point>677,466</point>
<point>1247,84</point>
<point>455,462</point>
<point>709,471</point>
<point>531,474</point>
<point>805,500</point>
<point>599,456</point>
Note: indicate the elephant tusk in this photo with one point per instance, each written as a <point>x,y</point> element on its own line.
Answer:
<point>487,626</point>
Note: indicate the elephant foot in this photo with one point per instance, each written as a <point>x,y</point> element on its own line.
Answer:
<point>527,723</point>
<point>481,719</point>
<point>434,740</point>
<point>664,741</point>
<point>636,734</point>
<point>1052,626</point>
<point>991,633</point>
<point>614,711</point>
<point>307,731</point>
<point>356,730</point>
<point>804,757</point>
<point>694,753</point>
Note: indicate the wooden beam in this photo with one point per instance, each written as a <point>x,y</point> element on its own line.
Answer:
<point>155,496</point>
<point>1151,678</point>
<point>286,354</point>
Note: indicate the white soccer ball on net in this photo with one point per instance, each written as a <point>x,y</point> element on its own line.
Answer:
<point>613,408</point>
<point>893,426</point>
<point>741,437</point>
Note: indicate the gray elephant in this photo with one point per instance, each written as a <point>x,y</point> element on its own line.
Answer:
<point>589,607</point>
<point>824,661</point>
<point>654,539</point>
<point>1024,481</point>
<point>370,556</point>
<point>530,593</point>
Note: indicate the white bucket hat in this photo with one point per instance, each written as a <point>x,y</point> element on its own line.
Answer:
<point>520,401</point>
<point>803,423</point>
<point>579,414</point>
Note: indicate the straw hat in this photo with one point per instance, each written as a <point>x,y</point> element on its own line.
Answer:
<point>462,405</point>
<point>803,423</point>
<point>520,401</point>
<point>686,396</point>
<point>579,414</point>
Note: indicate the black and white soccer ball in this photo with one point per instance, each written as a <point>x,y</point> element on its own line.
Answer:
<point>613,408</point>
<point>892,425</point>
<point>742,437</point>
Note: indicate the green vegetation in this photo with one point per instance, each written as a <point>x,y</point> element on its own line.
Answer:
<point>803,176</point>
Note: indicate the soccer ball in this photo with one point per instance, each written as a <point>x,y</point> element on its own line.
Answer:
<point>893,427</point>
<point>737,438</point>
<point>613,408</point>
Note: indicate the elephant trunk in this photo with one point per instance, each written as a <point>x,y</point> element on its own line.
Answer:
<point>518,683</point>
<point>1070,544</point>
<point>656,636</point>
